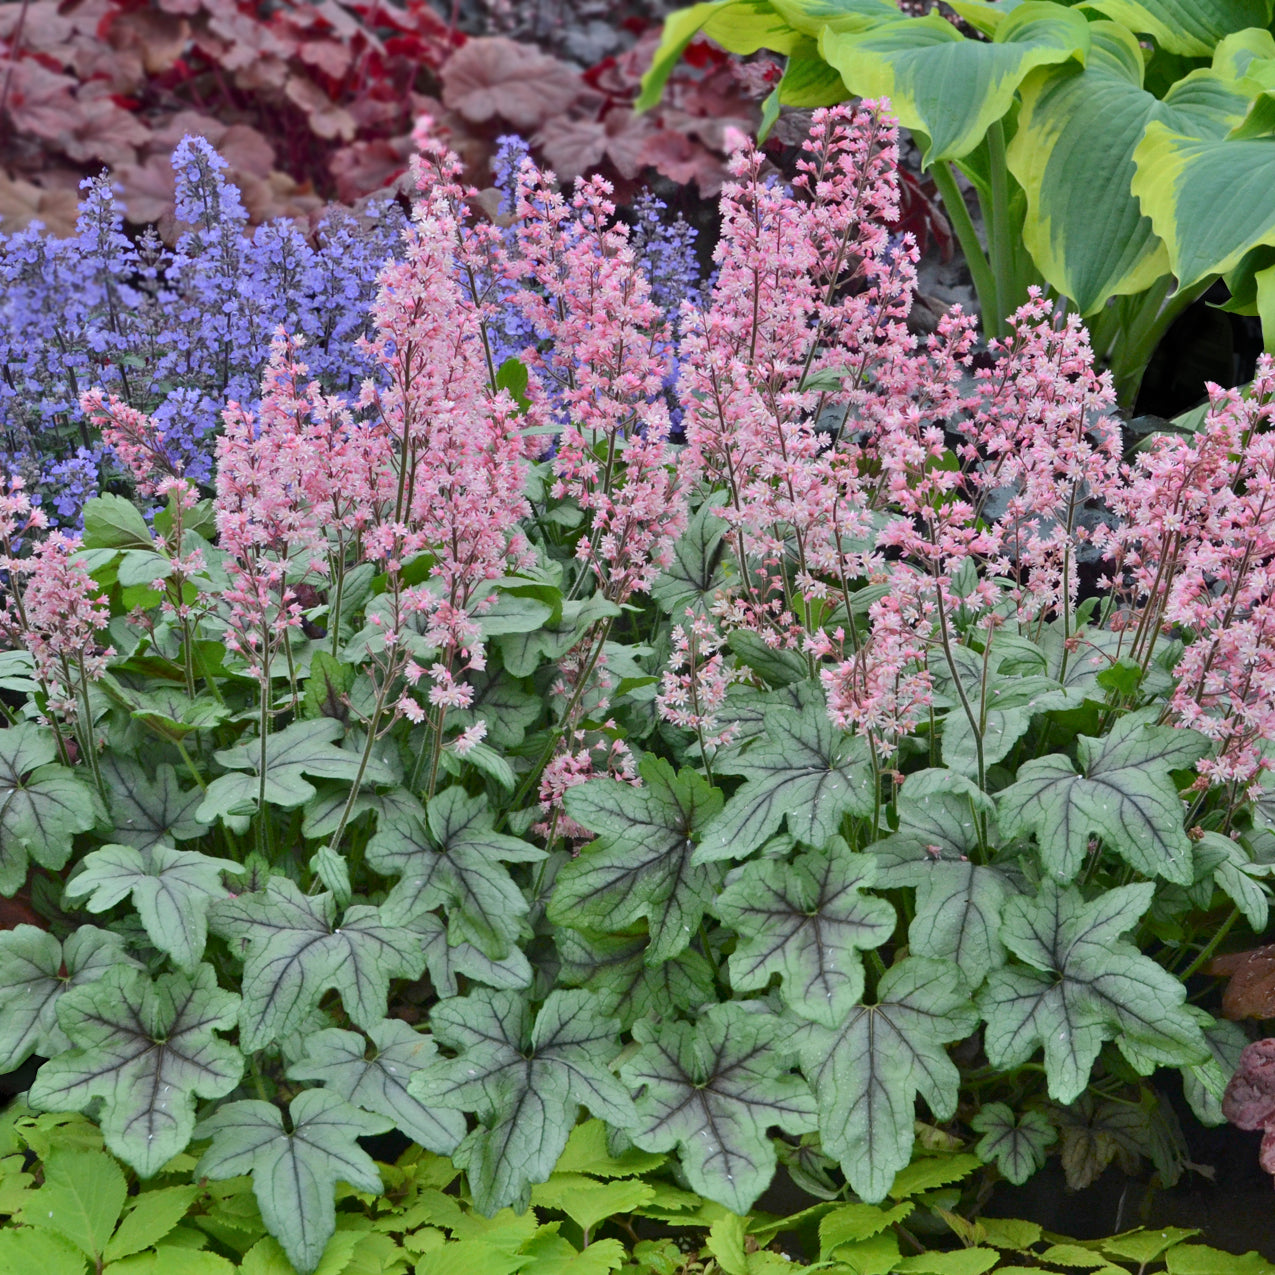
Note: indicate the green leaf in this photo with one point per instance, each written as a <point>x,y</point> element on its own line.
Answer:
<point>453,861</point>
<point>1124,795</point>
<point>867,1072</point>
<point>1236,876</point>
<point>587,1151</point>
<point>641,865</point>
<point>1082,985</point>
<point>1189,27</point>
<point>1200,1259</point>
<point>113,522</point>
<point>525,1081</point>
<point>24,1249</point>
<point>329,682</point>
<point>586,1201</point>
<point>294,1174</point>
<point>1073,155</point>
<point>696,573</point>
<point>950,88</point>
<point>553,1255</point>
<point>150,1219</point>
<point>852,1223</point>
<point>149,807</point>
<point>804,772</point>
<point>304,748</point>
<point>1144,1247</point>
<point>807,922</point>
<point>379,1084</point>
<point>42,805</point>
<point>965,1261</point>
<point>147,1050</point>
<point>614,968</point>
<point>32,982</point>
<point>1016,1145</point>
<point>171,890</point>
<point>295,953</point>
<point>1204,1083</point>
<point>713,1089</point>
<point>81,1199</point>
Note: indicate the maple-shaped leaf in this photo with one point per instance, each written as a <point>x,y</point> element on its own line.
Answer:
<point>804,771</point>
<point>445,960</point>
<point>1082,985</point>
<point>806,921</point>
<point>525,1079</point>
<point>149,806</point>
<point>295,953</point>
<point>867,1071</point>
<point>171,890</point>
<point>36,971</point>
<point>1124,794</point>
<point>147,1050</point>
<point>496,78</point>
<point>695,574</point>
<point>642,864</point>
<point>453,860</point>
<point>614,968</point>
<point>304,748</point>
<point>42,804</point>
<point>1017,1145</point>
<point>714,1088</point>
<point>379,1084</point>
<point>294,1173</point>
<point>958,901</point>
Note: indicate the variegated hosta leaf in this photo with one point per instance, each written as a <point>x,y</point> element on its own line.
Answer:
<point>294,952</point>
<point>713,1089</point>
<point>867,1071</point>
<point>950,88</point>
<point>294,1174</point>
<point>147,1050</point>
<point>1189,27</point>
<point>1083,984</point>
<point>1073,155</point>
<point>807,922</point>
<point>525,1080</point>
<point>36,971</point>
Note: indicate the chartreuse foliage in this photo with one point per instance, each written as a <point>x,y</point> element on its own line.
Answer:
<point>613,883</point>
<point>1101,139</point>
<point>68,1208</point>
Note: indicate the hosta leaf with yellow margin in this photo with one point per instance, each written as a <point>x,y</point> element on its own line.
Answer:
<point>1073,156</point>
<point>1190,27</point>
<point>948,87</point>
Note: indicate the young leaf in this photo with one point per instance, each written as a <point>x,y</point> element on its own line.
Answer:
<point>304,748</point>
<point>379,1084</point>
<point>32,982</point>
<point>714,1088</point>
<point>295,953</point>
<point>294,1174</point>
<point>806,921</point>
<point>149,810</point>
<point>526,1082</point>
<point>42,805</point>
<point>804,771</point>
<point>641,865</point>
<point>1017,1146</point>
<point>453,861</point>
<point>147,1050</point>
<point>867,1072</point>
<point>614,968</point>
<point>1123,795</point>
<point>171,891</point>
<point>1084,986</point>
<point>81,1199</point>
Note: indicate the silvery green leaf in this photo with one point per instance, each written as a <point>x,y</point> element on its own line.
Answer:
<point>171,890</point>
<point>379,1084</point>
<point>36,971</point>
<point>1017,1145</point>
<point>1204,1083</point>
<point>444,960</point>
<point>696,572</point>
<point>293,953</point>
<point>147,1050</point>
<point>713,1089</point>
<point>294,1174</point>
<point>1240,879</point>
<point>149,807</point>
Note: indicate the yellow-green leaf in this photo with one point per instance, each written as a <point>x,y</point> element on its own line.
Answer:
<point>1190,27</point>
<point>948,87</point>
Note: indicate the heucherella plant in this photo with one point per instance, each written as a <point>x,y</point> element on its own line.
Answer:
<point>479,756</point>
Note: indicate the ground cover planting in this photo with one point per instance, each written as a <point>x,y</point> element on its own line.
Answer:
<point>624,735</point>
